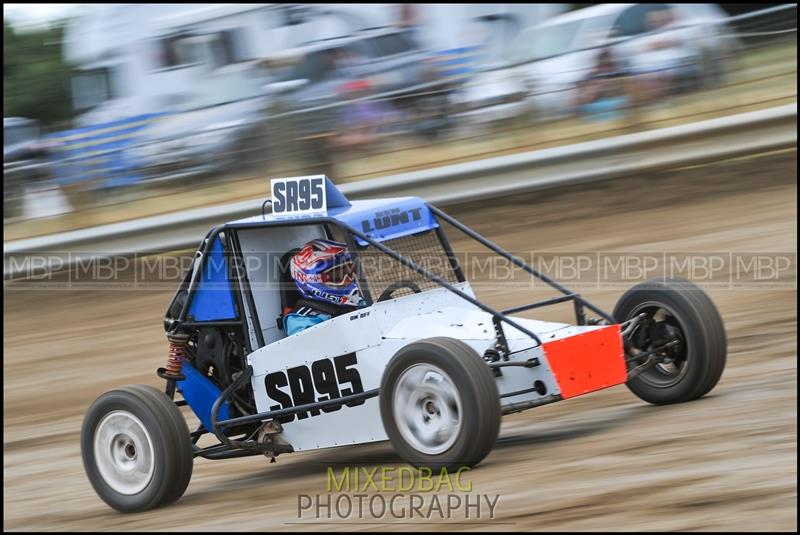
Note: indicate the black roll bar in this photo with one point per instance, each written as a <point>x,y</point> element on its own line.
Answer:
<point>579,301</point>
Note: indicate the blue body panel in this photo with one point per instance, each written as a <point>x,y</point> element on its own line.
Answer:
<point>335,198</point>
<point>380,219</point>
<point>213,299</point>
<point>200,393</point>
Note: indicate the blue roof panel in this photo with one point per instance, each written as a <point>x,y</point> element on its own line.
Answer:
<point>380,219</point>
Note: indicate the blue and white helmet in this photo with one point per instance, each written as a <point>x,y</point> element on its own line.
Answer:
<point>323,270</point>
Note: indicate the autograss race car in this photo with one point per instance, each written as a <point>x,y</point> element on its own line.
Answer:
<point>421,361</point>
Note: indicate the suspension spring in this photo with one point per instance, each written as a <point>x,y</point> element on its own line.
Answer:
<point>175,356</point>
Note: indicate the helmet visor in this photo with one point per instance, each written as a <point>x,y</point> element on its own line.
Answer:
<point>340,275</point>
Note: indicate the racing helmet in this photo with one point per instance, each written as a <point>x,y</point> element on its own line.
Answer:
<point>323,270</point>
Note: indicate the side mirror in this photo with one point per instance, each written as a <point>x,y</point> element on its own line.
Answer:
<point>276,88</point>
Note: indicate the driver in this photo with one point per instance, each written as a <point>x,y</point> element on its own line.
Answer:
<point>324,275</point>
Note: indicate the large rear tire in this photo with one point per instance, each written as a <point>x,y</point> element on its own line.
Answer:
<point>440,405</point>
<point>136,449</point>
<point>675,308</point>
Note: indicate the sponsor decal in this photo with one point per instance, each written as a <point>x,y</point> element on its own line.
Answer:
<point>390,218</point>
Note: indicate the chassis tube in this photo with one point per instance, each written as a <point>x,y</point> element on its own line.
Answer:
<point>525,405</point>
<point>430,276</point>
<point>299,408</point>
<point>517,261</point>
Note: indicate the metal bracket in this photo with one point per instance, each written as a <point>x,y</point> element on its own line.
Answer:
<point>492,357</point>
<point>500,342</point>
<point>264,208</point>
<point>270,435</point>
<point>651,361</point>
<point>530,363</point>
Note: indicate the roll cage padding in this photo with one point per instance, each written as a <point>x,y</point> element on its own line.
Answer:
<point>288,289</point>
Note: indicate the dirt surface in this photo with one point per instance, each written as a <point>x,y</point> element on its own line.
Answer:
<point>605,461</point>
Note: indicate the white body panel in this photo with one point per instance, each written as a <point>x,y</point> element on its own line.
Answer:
<point>335,337</point>
<point>374,335</point>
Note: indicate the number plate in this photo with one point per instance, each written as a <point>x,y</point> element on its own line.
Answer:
<point>301,195</point>
<point>323,380</point>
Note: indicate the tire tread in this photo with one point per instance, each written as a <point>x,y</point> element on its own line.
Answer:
<point>708,331</point>
<point>170,439</point>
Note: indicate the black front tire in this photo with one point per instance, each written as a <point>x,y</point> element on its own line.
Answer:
<point>140,427</point>
<point>470,378</point>
<point>703,347</point>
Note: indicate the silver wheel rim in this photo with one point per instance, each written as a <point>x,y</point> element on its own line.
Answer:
<point>123,452</point>
<point>427,409</point>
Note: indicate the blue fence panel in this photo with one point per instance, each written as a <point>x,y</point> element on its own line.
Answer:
<point>98,152</point>
<point>457,62</point>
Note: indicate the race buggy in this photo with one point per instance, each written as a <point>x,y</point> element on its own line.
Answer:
<point>423,362</point>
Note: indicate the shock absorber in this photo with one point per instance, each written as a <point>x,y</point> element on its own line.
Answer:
<point>175,356</point>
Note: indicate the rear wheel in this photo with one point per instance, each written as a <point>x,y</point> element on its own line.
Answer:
<point>136,449</point>
<point>674,309</point>
<point>439,404</point>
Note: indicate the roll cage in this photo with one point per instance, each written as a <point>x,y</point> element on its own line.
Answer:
<point>240,285</point>
<point>250,323</point>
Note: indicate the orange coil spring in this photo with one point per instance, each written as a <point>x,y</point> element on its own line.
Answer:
<point>176,353</point>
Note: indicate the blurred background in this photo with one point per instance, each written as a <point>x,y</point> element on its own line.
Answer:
<point>116,112</point>
<point>131,129</point>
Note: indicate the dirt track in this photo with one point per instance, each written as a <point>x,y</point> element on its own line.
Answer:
<point>606,461</point>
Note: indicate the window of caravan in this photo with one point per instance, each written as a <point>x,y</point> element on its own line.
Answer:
<point>174,53</point>
<point>91,88</point>
<point>215,49</point>
<point>392,43</point>
<point>228,47</point>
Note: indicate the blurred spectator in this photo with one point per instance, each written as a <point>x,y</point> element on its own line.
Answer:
<point>348,61</point>
<point>432,107</point>
<point>666,64</point>
<point>409,18</point>
<point>603,94</point>
<point>331,64</point>
<point>362,121</point>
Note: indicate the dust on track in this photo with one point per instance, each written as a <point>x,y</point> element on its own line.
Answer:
<point>606,461</point>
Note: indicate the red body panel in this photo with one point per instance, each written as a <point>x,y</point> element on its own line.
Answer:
<point>587,362</point>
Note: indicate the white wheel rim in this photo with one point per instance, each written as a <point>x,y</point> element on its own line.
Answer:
<point>427,409</point>
<point>123,452</point>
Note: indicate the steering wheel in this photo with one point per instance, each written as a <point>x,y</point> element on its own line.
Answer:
<point>392,288</point>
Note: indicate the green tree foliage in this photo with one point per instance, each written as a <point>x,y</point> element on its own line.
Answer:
<point>36,80</point>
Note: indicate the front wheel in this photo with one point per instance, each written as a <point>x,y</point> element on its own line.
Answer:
<point>677,313</point>
<point>439,404</point>
<point>136,449</point>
